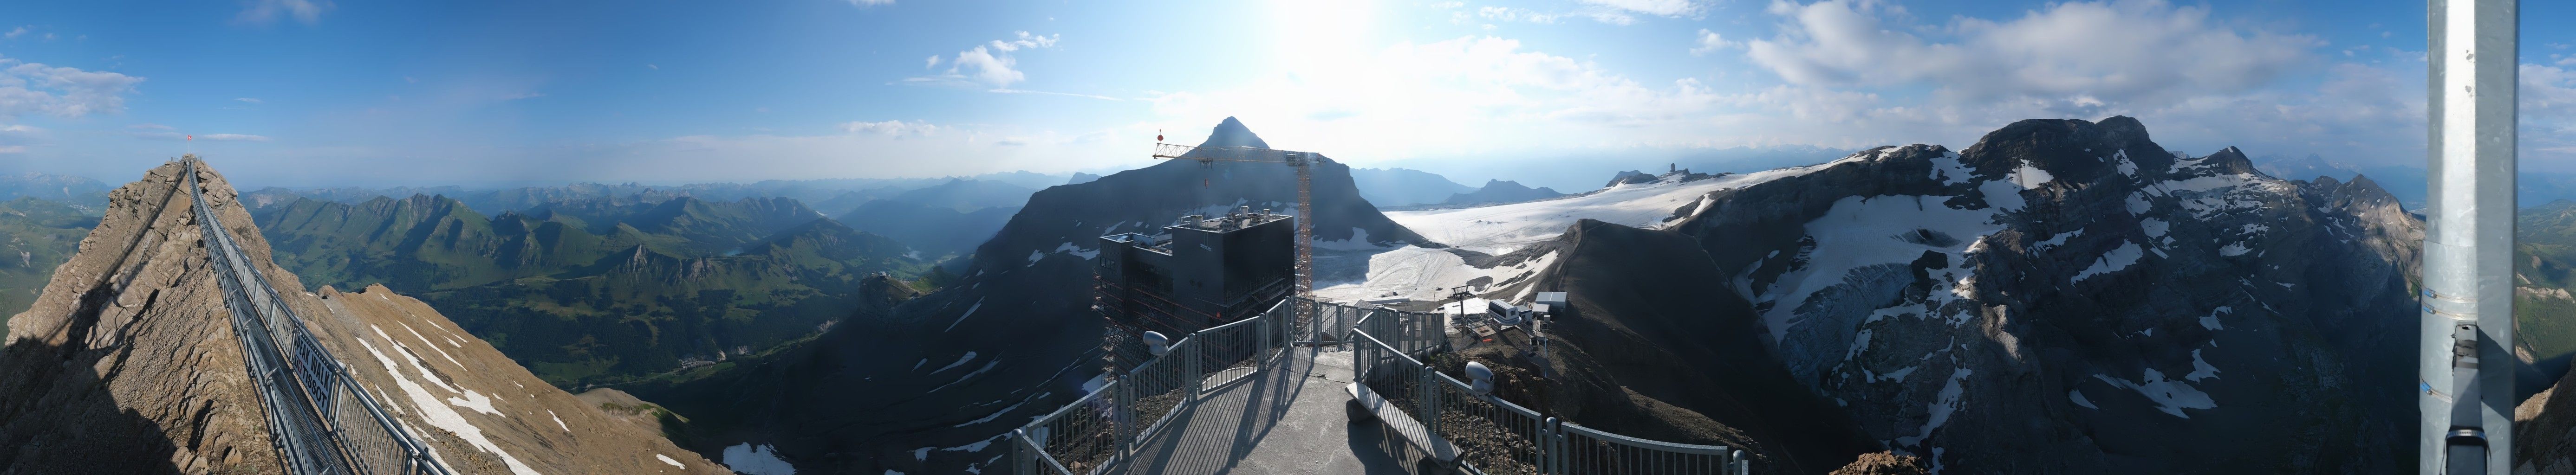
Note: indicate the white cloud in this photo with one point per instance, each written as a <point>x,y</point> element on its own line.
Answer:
<point>1026,40</point>
<point>1709,41</point>
<point>1670,8</point>
<point>892,128</point>
<point>13,149</point>
<point>262,12</point>
<point>212,137</point>
<point>1514,14</point>
<point>2143,51</point>
<point>148,126</point>
<point>1448,4</point>
<point>14,33</point>
<point>871,3</point>
<point>988,64</point>
<point>253,100</point>
<point>34,88</point>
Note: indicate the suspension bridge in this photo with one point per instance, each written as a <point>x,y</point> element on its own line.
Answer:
<point>319,420</point>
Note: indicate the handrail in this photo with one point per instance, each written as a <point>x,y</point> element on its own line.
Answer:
<point>304,407</point>
<point>1548,446</point>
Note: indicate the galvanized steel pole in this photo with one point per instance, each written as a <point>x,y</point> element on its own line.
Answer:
<point>2467,412</point>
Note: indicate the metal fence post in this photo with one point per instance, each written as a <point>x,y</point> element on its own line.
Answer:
<point>1191,370</point>
<point>1123,414</point>
<point>1429,397</point>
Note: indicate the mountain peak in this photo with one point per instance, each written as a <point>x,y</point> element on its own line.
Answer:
<point>1232,133</point>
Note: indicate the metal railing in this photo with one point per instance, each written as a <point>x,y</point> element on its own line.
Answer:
<point>319,418</point>
<point>1101,429</point>
<point>1496,437</point>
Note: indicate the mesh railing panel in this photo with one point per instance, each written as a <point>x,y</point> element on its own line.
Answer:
<point>1080,437</point>
<point>1229,352</point>
<point>1495,437</point>
<point>1585,450</point>
<point>1161,386</point>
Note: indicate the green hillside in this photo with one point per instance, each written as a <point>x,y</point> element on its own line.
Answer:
<point>35,236</point>
<point>2545,268</point>
<point>599,291</point>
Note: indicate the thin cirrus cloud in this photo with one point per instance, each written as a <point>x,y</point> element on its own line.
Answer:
<point>166,135</point>
<point>262,12</point>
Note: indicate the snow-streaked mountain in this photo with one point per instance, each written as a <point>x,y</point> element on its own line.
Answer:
<point>1502,191</point>
<point>2062,297</point>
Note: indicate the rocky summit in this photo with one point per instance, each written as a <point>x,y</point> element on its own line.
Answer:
<point>127,363</point>
<point>2067,296</point>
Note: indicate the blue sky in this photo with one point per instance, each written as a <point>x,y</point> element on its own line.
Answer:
<point>310,92</point>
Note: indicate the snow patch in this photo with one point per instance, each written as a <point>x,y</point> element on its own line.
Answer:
<point>2233,249</point>
<point>970,311</point>
<point>558,420</point>
<point>2200,368</point>
<point>2119,258</point>
<point>988,366</point>
<point>2169,396</point>
<point>1645,205</point>
<point>476,401</point>
<point>961,361</point>
<point>667,459</point>
<point>2155,228</point>
<point>1069,248</point>
<point>2210,321</point>
<point>2078,396</point>
<point>439,415</point>
<point>2030,177</point>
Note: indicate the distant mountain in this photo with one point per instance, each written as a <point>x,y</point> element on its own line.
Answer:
<point>35,236</point>
<point>1081,178</point>
<point>968,195</point>
<point>1014,339</point>
<point>1021,178</point>
<point>1404,187</point>
<point>933,230</point>
<point>83,194</point>
<point>713,279</point>
<point>1499,191</point>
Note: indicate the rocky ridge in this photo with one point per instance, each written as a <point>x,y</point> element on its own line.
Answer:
<point>127,364</point>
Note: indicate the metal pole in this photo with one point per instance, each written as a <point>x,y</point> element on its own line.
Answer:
<point>2467,414</point>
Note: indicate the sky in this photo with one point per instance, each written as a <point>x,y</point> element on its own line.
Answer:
<point>321,93</point>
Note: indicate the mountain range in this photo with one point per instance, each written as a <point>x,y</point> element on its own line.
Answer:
<point>599,290</point>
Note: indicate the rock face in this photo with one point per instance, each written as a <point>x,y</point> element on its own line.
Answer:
<point>2068,297</point>
<point>127,364</point>
<point>1883,463</point>
<point>2544,432</point>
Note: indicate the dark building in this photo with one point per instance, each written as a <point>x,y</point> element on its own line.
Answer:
<point>1201,273</point>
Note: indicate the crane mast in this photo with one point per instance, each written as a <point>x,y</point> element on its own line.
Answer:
<point>1302,161</point>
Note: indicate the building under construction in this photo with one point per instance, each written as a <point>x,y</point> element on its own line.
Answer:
<point>1204,272</point>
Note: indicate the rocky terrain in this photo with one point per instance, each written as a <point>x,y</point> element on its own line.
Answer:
<point>2067,296</point>
<point>128,364</point>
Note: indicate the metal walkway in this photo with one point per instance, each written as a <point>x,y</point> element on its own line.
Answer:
<point>318,418</point>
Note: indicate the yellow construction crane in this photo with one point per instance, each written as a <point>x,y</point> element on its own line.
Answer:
<point>1302,161</point>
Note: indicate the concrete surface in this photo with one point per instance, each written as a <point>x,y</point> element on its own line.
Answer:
<point>1288,421</point>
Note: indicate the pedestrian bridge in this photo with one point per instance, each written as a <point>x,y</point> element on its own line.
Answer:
<point>318,419</point>
<point>1314,387</point>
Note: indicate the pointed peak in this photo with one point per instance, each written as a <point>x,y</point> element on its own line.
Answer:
<point>1232,133</point>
